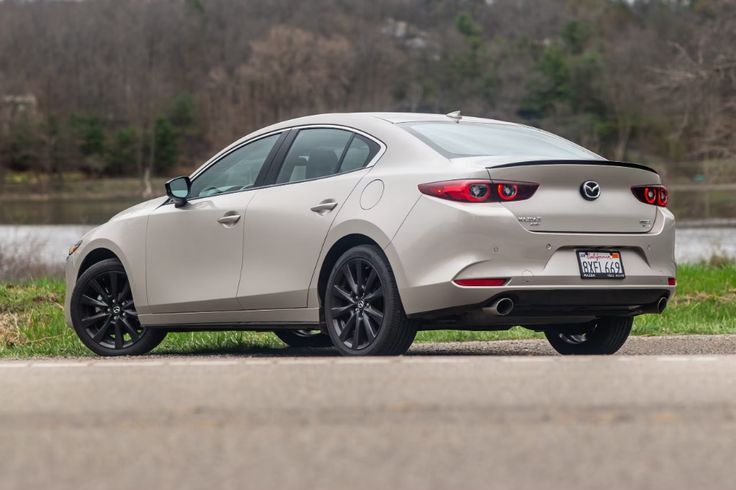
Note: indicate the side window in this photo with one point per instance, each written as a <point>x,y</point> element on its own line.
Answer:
<point>235,171</point>
<point>314,153</point>
<point>359,153</point>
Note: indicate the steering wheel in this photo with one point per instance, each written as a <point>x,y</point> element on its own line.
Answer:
<point>208,191</point>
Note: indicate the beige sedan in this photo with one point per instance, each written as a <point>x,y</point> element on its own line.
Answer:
<point>358,230</point>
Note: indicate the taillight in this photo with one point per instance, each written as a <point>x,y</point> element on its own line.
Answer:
<point>672,281</point>
<point>479,190</point>
<point>656,195</point>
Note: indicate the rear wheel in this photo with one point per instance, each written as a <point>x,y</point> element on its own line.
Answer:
<point>601,337</point>
<point>104,315</point>
<point>363,310</point>
<point>304,338</point>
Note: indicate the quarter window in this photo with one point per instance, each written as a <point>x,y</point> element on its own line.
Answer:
<point>358,154</point>
<point>236,171</point>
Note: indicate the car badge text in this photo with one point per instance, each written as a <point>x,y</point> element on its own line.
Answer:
<point>530,220</point>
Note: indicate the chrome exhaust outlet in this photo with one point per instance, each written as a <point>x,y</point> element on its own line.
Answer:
<point>661,304</point>
<point>500,307</point>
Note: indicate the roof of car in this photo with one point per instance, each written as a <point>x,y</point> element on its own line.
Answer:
<point>362,120</point>
<point>390,117</point>
<point>404,117</point>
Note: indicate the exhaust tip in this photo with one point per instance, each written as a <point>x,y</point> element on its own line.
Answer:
<point>504,306</point>
<point>661,304</point>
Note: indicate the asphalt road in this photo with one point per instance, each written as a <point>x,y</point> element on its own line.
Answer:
<point>435,419</point>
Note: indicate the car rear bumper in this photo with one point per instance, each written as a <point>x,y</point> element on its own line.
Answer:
<point>442,241</point>
<point>530,307</point>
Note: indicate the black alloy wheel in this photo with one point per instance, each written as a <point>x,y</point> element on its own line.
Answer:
<point>603,336</point>
<point>362,306</point>
<point>358,294</point>
<point>104,315</point>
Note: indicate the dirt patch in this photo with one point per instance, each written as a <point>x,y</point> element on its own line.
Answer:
<point>10,329</point>
<point>47,298</point>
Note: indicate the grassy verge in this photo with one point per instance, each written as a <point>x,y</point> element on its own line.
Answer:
<point>32,320</point>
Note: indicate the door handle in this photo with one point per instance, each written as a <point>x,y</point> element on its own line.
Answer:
<point>325,206</point>
<point>229,219</point>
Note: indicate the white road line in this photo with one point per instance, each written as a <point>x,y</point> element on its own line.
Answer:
<point>686,358</point>
<point>128,364</point>
<point>214,362</point>
<point>360,361</point>
<point>13,365</point>
<point>179,363</point>
<point>59,364</point>
<point>303,361</point>
<point>258,362</point>
<point>47,364</point>
<point>528,359</point>
<point>433,360</point>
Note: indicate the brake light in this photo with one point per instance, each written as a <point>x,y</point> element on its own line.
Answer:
<point>479,190</point>
<point>485,282</point>
<point>507,192</point>
<point>671,281</point>
<point>656,195</point>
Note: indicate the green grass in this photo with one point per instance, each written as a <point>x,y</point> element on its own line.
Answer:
<point>32,321</point>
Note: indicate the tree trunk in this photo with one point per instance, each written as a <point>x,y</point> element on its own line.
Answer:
<point>147,189</point>
<point>622,144</point>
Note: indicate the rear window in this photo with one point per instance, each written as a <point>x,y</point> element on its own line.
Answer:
<point>455,140</point>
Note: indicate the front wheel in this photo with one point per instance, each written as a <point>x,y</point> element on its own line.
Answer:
<point>363,311</point>
<point>601,337</point>
<point>104,315</point>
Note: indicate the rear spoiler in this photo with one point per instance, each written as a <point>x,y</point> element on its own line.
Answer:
<point>576,162</point>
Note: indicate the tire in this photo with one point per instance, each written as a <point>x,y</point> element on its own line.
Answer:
<point>304,338</point>
<point>104,315</point>
<point>604,336</point>
<point>362,307</point>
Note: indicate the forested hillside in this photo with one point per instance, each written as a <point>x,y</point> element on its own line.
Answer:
<point>112,87</point>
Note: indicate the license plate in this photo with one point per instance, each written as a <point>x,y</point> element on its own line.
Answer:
<point>600,264</point>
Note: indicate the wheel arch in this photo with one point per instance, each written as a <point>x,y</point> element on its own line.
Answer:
<point>342,237</point>
<point>335,252</point>
<point>94,256</point>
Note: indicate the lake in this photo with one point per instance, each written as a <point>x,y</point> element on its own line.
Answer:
<point>51,242</point>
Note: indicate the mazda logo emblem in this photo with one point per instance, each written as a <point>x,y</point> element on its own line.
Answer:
<point>590,190</point>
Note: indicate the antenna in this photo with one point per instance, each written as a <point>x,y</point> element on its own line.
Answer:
<point>456,115</point>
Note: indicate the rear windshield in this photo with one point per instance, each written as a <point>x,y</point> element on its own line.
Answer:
<point>455,140</point>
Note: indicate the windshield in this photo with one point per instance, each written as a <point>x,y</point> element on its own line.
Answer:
<point>455,140</point>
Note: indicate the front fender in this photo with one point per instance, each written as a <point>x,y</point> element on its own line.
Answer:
<point>126,239</point>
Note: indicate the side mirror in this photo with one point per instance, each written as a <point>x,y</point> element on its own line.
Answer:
<point>178,190</point>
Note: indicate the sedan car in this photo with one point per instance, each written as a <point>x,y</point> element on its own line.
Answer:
<point>358,230</point>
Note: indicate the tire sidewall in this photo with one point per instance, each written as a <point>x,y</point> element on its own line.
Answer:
<point>609,336</point>
<point>150,338</point>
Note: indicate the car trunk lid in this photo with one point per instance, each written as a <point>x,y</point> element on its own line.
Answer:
<point>562,204</point>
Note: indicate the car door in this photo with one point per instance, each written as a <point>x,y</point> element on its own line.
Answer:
<point>287,222</point>
<point>194,253</point>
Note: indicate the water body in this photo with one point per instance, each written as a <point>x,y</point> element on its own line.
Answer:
<point>51,242</point>
<point>62,211</point>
